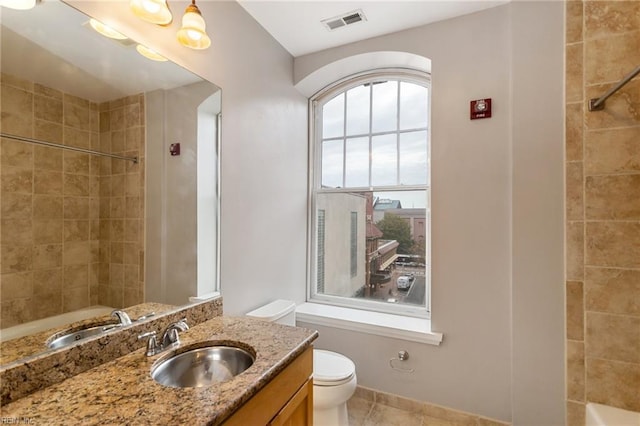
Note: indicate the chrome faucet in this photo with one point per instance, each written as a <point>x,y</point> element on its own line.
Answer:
<point>169,337</point>
<point>122,316</point>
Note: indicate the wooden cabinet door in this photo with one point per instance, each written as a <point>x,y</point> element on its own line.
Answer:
<point>277,395</point>
<point>299,409</point>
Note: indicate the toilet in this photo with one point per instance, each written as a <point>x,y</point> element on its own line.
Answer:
<point>334,375</point>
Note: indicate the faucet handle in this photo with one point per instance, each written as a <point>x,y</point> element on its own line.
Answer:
<point>152,343</point>
<point>145,316</point>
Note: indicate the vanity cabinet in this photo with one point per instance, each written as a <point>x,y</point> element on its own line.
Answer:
<point>287,400</point>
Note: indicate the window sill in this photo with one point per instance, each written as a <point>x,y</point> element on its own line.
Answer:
<point>377,323</point>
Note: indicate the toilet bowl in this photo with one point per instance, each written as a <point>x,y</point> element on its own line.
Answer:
<point>334,375</point>
<point>334,382</point>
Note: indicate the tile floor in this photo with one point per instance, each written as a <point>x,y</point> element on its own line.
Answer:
<point>364,412</point>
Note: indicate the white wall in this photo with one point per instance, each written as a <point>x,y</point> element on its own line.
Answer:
<point>485,185</point>
<point>480,185</point>
<point>538,329</point>
<point>171,200</point>
<point>264,147</point>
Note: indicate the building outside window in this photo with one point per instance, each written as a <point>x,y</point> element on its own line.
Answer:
<point>320,252</point>
<point>354,244</point>
<point>370,156</point>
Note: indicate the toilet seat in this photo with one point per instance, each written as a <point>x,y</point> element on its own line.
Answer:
<point>331,368</point>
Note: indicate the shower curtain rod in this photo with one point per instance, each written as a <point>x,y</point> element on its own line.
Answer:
<point>598,104</point>
<point>70,148</point>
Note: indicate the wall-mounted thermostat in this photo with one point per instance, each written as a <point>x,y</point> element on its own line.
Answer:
<point>480,108</point>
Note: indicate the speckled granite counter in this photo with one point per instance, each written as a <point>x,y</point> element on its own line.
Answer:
<point>32,373</point>
<point>27,346</point>
<point>123,392</point>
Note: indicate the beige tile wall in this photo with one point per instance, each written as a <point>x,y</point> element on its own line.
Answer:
<point>121,260</point>
<point>602,207</point>
<point>60,210</point>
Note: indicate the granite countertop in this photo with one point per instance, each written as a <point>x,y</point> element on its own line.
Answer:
<point>123,392</point>
<point>34,344</point>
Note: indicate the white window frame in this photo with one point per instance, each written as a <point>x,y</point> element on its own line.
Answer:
<point>315,139</point>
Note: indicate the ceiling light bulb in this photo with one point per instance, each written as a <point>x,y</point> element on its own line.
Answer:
<point>154,11</point>
<point>151,6</point>
<point>193,32</point>
<point>18,4</point>
<point>150,53</point>
<point>194,35</point>
<point>106,30</point>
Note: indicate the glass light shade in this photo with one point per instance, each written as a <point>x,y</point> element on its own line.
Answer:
<point>193,32</point>
<point>18,4</point>
<point>150,53</point>
<point>154,11</point>
<point>106,30</point>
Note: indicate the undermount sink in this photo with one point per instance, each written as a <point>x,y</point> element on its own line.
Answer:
<point>202,366</point>
<point>73,336</point>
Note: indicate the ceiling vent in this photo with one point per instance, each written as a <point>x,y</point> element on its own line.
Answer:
<point>344,20</point>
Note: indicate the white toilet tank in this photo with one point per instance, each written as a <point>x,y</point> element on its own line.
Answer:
<point>279,311</point>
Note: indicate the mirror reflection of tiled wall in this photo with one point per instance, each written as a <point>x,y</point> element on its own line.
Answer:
<point>603,207</point>
<point>121,251</point>
<point>72,224</point>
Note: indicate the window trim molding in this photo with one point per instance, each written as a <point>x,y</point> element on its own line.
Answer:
<point>356,79</point>
<point>313,178</point>
<point>395,326</point>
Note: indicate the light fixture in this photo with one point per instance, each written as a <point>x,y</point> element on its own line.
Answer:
<point>150,53</point>
<point>18,4</point>
<point>154,11</point>
<point>193,34</point>
<point>106,30</point>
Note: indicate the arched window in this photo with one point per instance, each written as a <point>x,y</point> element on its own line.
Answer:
<point>370,197</point>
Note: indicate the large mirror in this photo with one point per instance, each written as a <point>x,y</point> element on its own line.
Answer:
<point>84,233</point>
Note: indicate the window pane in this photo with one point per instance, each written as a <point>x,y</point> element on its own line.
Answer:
<point>380,256</point>
<point>332,155</point>
<point>385,106</point>
<point>358,110</point>
<point>413,106</point>
<point>402,219</point>
<point>333,118</point>
<point>340,210</point>
<point>384,160</point>
<point>357,164</point>
<point>413,158</point>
